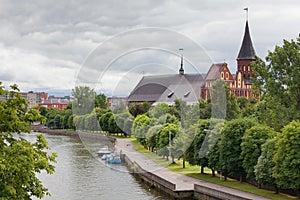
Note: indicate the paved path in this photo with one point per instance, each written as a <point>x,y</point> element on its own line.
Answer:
<point>182,182</point>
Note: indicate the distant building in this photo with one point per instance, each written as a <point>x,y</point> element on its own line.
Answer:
<point>113,102</point>
<point>34,98</point>
<point>54,103</point>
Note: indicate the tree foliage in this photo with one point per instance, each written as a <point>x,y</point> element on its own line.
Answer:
<point>20,160</point>
<point>84,100</point>
<point>279,81</point>
<point>230,146</point>
<point>251,144</point>
<point>263,170</point>
<point>287,157</point>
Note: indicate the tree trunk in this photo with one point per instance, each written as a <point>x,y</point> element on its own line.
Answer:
<point>213,173</point>
<point>241,179</point>
<point>202,170</point>
<point>276,190</point>
<point>183,163</point>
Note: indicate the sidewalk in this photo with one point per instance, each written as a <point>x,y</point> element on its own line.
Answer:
<point>182,182</point>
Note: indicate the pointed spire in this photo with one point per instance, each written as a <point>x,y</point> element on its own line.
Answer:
<point>247,50</point>
<point>181,70</point>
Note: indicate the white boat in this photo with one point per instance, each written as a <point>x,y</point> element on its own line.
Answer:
<point>103,151</point>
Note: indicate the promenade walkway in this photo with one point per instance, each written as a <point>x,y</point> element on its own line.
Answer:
<point>183,182</point>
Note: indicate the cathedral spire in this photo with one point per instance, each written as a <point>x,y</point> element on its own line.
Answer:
<point>247,50</point>
<point>181,70</point>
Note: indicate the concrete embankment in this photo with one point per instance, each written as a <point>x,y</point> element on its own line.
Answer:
<point>43,129</point>
<point>177,186</point>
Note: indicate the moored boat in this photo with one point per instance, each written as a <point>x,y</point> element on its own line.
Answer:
<point>113,159</point>
<point>103,151</point>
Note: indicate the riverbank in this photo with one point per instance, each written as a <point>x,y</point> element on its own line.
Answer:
<point>178,186</point>
<point>44,129</point>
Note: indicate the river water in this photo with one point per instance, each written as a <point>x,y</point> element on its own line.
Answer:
<point>81,174</point>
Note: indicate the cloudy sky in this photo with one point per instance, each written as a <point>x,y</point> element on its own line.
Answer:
<point>53,46</point>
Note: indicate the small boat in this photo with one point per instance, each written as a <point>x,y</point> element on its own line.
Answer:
<point>103,151</point>
<point>105,157</point>
<point>113,159</point>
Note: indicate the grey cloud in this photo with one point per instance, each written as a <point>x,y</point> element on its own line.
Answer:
<point>65,32</point>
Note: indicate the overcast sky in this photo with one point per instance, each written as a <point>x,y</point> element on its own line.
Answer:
<point>50,45</point>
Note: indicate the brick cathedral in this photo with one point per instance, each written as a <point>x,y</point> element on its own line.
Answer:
<point>239,83</point>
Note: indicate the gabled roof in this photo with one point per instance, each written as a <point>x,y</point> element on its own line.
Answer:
<point>214,71</point>
<point>247,50</point>
<point>167,88</point>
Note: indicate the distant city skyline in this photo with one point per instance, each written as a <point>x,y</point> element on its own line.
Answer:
<point>43,44</point>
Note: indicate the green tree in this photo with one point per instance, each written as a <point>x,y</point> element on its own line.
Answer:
<point>204,108</point>
<point>104,121</point>
<point>251,146</point>
<point>224,104</point>
<point>230,146</point>
<point>164,140</point>
<point>159,110</point>
<point>20,160</point>
<point>287,158</point>
<point>100,101</point>
<point>43,111</point>
<point>136,109</point>
<point>151,136</point>
<point>140,128</point>
<point>124,121</point>
<point>278,79</point>
<point>84,100</point>
<point>264,168</point>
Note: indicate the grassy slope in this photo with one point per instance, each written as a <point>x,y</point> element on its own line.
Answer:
<point>194,171</point>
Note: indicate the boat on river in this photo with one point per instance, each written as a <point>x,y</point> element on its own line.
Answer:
<point>112,158</point>
<point>104,151</point>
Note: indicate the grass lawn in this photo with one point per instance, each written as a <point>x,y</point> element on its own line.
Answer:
<point>194,171</point>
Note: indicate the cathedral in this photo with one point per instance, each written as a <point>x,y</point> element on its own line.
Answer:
<point>192,87</point>
<point>239,83</point>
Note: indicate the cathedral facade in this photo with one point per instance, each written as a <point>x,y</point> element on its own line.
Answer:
<point>192,87</point>
<point>240,83</point>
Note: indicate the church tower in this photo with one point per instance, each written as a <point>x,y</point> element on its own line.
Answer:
<point>243,84</point>
<point>245,56</point>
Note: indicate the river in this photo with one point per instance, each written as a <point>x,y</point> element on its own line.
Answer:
<point>81,174</point>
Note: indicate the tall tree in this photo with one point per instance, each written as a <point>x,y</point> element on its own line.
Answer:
<point>20,160</point>
<point>279,80</point>
<point>84,100</point>
<point>224,104</point>
<point>230,146</point>
<point>100,101</point>
<point>264,168</point>
<point>287,158</point>
<point>251,146</point>
<point>140,128</point>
